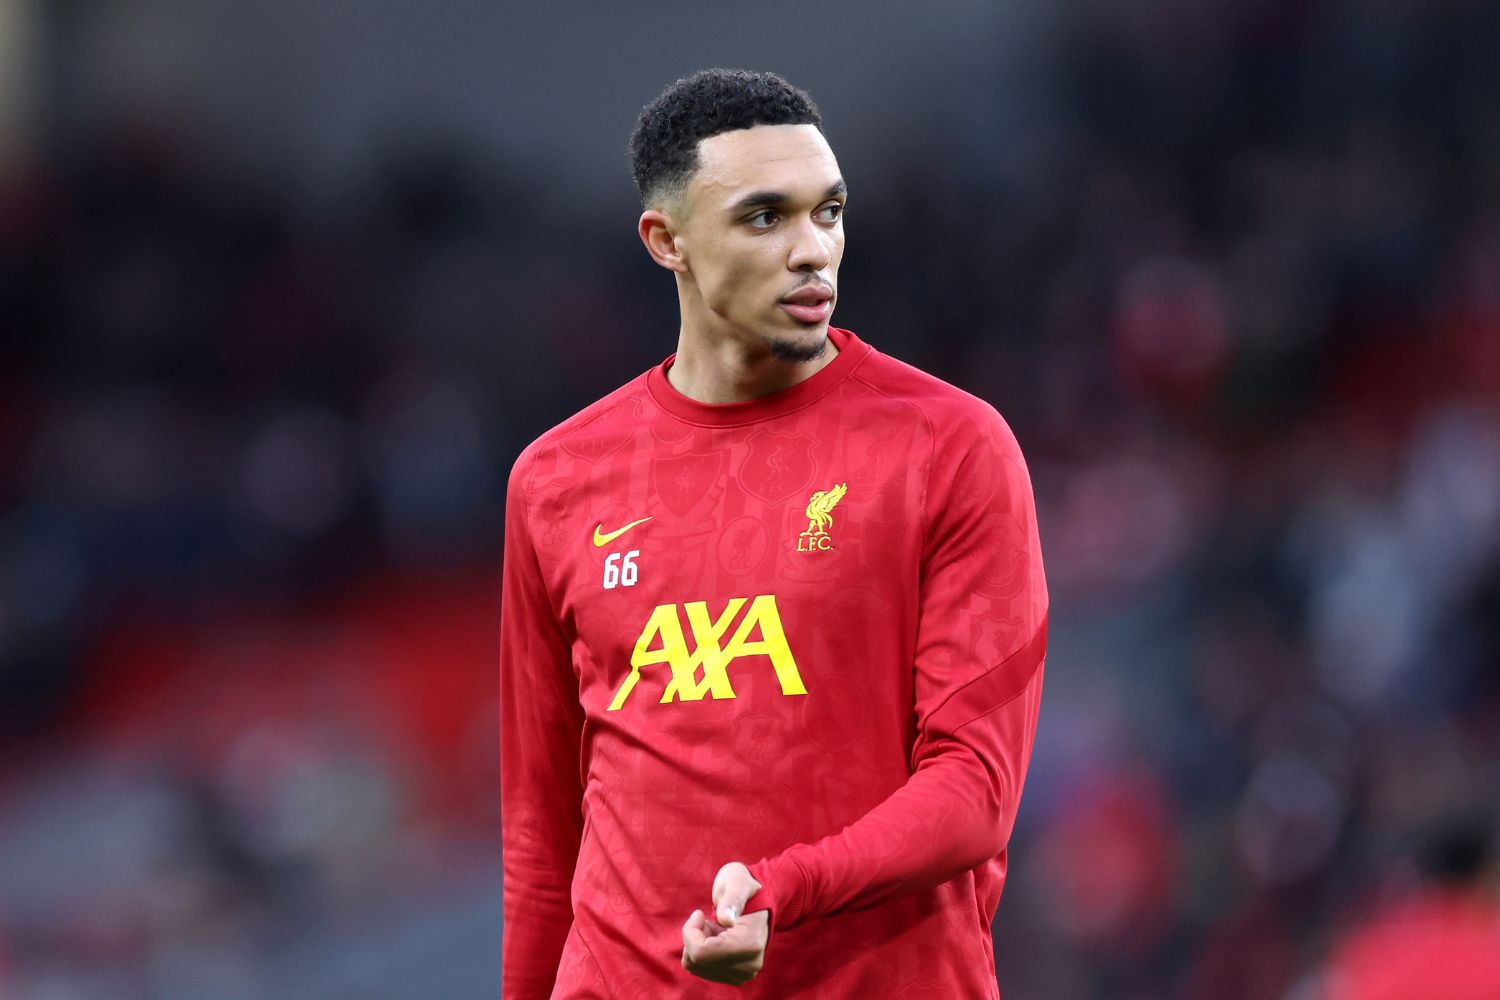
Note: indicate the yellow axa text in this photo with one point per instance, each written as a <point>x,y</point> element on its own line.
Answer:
<point>705,669</point>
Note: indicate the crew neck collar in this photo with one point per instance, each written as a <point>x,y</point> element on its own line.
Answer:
<point>851,350</point>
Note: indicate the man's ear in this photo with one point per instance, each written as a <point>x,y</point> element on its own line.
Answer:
<point>657,231</point>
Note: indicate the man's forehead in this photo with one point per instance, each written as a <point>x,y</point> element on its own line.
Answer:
<point>788,158</point>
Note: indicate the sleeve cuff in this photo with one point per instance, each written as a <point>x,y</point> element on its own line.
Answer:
<point>782,890</point>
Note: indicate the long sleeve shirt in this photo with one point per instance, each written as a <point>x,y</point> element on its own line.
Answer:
<point>805,632</point>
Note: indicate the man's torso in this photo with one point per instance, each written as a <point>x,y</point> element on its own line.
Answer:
<point>744,664</point>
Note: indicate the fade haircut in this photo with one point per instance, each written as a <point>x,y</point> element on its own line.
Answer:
<point>664,145</point>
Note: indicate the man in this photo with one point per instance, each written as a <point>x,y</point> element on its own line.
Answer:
<point>773,620</point>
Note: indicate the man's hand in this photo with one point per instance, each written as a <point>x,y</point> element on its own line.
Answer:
<point>730,949</point>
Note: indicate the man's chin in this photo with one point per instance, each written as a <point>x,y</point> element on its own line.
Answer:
<point>799,348</point>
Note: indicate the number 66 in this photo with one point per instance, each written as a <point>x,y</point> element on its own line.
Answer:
<point>620,571</point>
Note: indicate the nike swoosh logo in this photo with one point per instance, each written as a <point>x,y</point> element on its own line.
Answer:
<point>602,539</point>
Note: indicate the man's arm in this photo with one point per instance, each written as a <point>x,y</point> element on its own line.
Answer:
<point>978,682</point>
<point>541,795</point>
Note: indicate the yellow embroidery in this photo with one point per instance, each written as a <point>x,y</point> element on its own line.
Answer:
<point>820,518</point>
<point>601,539</point>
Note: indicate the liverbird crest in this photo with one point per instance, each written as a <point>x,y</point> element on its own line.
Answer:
<point>820,509</point>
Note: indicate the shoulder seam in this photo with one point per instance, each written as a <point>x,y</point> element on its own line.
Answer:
<point>536,557</point>
<point>931,449</point>
<point>557,428</point>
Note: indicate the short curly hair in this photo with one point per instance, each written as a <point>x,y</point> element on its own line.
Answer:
<point>664,145</point>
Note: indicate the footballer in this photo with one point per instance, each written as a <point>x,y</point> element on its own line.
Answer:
<point>773,620</point>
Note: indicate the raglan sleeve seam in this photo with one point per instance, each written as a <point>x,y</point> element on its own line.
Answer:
<point>536,557</point>
<point>927,474</point>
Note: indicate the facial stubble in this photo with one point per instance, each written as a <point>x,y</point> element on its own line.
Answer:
<point>792,353</point>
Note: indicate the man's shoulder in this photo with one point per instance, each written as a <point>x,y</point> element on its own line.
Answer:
<point>615,414</point>
<point>947,409</point>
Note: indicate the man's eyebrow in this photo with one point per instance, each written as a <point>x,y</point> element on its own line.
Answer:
<point>770,199</point>
<point>760,199</point>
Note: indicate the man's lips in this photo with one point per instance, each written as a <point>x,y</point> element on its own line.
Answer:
<point>810,304</point>
<point>810,294</point>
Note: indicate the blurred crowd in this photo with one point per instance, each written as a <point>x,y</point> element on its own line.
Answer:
<point>1260,304</point>
<point>1237,290</point>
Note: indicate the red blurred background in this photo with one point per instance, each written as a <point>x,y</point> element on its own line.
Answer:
<point>285,289</point>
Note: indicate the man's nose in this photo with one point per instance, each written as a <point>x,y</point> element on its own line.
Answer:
<point>812,248</point>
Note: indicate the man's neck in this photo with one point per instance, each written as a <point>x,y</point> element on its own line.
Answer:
<point>729,371</point>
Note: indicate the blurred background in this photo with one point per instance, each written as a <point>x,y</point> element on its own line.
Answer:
<point>285,287</point>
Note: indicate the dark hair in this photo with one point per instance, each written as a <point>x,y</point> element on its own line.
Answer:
<point>664,145</point>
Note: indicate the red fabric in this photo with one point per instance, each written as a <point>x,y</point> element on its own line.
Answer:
<point>872,763</point>
<point>1440,944</point>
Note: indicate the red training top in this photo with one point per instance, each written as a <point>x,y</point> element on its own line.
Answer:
<point>806,629</point>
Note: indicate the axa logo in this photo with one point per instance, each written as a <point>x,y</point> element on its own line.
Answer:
<point>703,670</point>
<point>820,518</point>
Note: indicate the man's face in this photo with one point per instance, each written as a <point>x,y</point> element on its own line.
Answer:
<point>761,230</point>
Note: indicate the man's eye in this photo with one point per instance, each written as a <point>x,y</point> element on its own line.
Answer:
<point>831,212</point>
<point>763,220</point>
